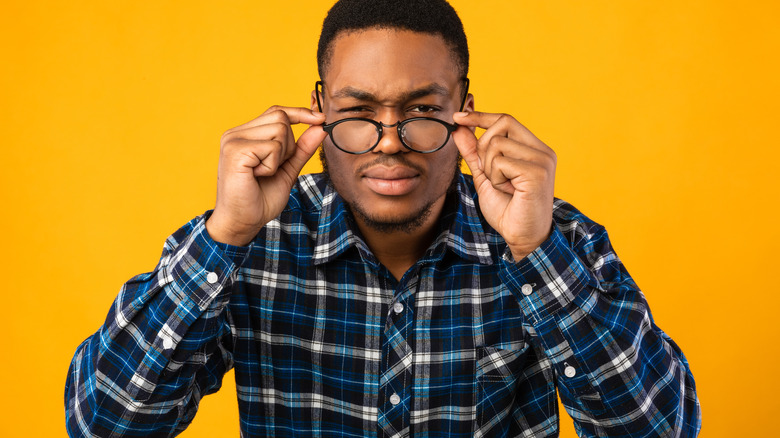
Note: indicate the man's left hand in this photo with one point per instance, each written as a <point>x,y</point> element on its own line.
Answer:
<point>514,174</point>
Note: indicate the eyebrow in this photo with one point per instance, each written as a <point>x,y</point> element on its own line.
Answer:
<point>355,93</point>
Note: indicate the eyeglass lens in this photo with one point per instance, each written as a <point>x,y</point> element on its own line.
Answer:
<point>419,135</point>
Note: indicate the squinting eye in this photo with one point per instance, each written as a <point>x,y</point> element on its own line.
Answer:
<point>423,109</point>
<point>354,109</point>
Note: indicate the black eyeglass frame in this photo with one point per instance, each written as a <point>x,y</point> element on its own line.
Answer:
<point>399,125</point>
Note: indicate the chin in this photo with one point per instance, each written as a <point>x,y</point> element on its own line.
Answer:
<point>391,223</point>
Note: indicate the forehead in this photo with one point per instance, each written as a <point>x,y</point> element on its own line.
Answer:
<point>387,62</point>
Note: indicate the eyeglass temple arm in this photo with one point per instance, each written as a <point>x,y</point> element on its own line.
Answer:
<point>465,93</point>
<point>317,86</point>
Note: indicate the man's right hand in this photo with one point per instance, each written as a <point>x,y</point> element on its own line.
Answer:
<point>259,162</point>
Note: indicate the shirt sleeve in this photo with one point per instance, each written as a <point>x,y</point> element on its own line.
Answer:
<point>617,373</point>
<point>166,342</point>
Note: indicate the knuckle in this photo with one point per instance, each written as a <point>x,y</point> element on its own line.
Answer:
<point>497,180</point>
<point>279,129</point>
<point>495,141</point>
<point>505,119</point>
<point>274,147</point>
<point>272,161</point>
<point>227,137</point>
<point>227,147</point>
<point>542,173</point>
<point>549,160</point>
<point>277,114</point>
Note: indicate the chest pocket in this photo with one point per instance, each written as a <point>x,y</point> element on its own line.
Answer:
<point>497,373</point>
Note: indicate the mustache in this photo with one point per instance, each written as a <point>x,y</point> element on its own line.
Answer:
<point>390,161</point>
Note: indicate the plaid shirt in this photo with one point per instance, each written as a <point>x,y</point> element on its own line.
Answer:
<point>326,342</point>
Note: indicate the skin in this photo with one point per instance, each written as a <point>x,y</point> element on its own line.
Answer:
<point>389,75</point>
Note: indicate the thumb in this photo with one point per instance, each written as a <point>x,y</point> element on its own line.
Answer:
<point>306,146</point>
<point>466,142</point>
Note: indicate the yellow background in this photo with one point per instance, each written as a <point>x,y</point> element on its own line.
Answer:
<point>664,115</point>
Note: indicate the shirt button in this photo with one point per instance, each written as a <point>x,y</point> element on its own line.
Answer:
<point>398,307</point>
<point>527,289</point>
<point>212,277</point>
<point>167,343</point>
<point>569,371</point>
<point>395,399</point>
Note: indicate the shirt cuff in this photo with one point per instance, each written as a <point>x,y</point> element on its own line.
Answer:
<point>201,267</point>
<point>548,279</point>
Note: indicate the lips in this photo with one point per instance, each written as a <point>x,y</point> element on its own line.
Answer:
<point>391,181</point>
<point>390,173</point>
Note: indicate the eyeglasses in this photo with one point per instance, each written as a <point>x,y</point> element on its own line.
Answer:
<point>358,135</point>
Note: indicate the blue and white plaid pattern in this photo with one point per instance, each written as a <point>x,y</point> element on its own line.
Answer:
<point>326,343</point>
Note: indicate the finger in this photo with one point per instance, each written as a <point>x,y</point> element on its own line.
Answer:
<point>307,144</point>
<point>476,119</point>
<point>512,175</point>
<point>283,114</point>
<point>506,147</point>
<point>289,144</point>
<point>496,124</point>
<point>259,157</point>
<point>280,133</point>
<point>466,142</point>
<point>275,130</point>
<point>270,162</point>
<point>297,115</point>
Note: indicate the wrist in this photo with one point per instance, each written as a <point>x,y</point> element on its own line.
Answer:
<point>221,233</point>
<point>522,251</point>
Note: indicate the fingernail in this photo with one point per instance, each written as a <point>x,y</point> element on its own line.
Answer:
<point>460,114</point>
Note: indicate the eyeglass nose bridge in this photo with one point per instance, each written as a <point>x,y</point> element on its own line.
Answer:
<point>400,126</point>
<point>399,132</point>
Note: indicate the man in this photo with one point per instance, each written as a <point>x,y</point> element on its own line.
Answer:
<point>391,295</point>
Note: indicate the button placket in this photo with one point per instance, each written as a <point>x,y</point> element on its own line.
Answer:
<point>396,378</point>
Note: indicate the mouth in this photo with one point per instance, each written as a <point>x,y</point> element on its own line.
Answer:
<point>391,181</point>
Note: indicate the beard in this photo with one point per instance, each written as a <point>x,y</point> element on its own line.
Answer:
<point>403,223</point>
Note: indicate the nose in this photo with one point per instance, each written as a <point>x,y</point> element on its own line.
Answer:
<point>390,143</point>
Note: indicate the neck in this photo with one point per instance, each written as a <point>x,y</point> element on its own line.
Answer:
<point>400,250</point>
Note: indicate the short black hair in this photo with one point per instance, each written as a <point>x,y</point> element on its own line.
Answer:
<point>435,17</point>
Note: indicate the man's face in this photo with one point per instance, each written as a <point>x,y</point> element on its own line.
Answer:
<point>388,76</point>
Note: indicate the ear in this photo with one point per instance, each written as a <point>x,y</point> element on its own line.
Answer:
<point>468,106</point>
<point>314,100</point>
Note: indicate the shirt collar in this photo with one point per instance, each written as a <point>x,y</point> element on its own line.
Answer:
<point>462,230</point>
<point>464,234</point>
<point>334,231</point>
